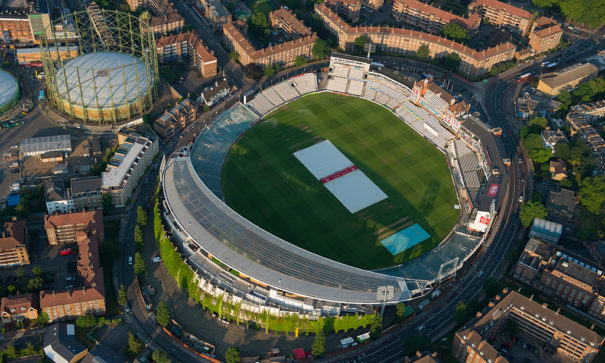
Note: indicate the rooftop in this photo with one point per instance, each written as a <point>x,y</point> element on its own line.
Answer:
<point>20,303</point>
<point>563,200</point>
<point>43,144</point>
<point>119,166</point>
<point>60,343</point>
<point>510,9</point>
<point>13,234</point>
<point>473,19</point>
<point>193,39</point>
<point>55,191</point>
<point>568,75</point>
<point>85,185</point>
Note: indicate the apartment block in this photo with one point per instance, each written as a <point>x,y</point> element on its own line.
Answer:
<point>373,4</point>
<point>285,53</point>
<point>176,119</point>
<point>14,243</point>
<point>19,307</point>
<point>86,193</point>
<point>568,340</point>
<point>57,197</point>
<point>431,19</point>
<point>347,9</point>
<point>580,119</point>
<point>287,22</point>
<point>398,40</point>
<point>135,153</point>
<point>86,229</point>
<point>545,35</point>
<point>216,13</point>
<point>503,15</point>
<point>168,23</point>
<point>187,46</point>
<point>63,228</point>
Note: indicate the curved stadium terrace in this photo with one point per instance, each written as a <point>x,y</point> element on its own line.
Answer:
<point>270,269</point>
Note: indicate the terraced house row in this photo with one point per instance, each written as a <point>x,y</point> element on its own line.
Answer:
<point>398,40</point>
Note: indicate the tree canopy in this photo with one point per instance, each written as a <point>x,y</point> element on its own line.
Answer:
<point>320,49</point>
<point>162,314</point>
<point>462,312</point>
<point>592,194</point>
<point>159,356</point>
<point>139,265</point>
<point>254,71</point>
<point>530,210</point>
<point>361,41</point>
<point>451,62</point>
<point>300,61</point>
<point>319,344</point>
<point>587,12</point>
<point>455,32</point>
<point>232,355</point>
<point>141,216</point>
<point>423,51</point>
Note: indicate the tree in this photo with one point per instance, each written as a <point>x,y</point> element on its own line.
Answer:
<point>416,343</point>
<point>35,283</point>
<point>254,71</point>
<point>141,216</point>
<point>592,194</point>
<point>122,296</point>
<point>43,318</point>
<point>300,61</point>
<point>320,49</point>
<point>135,345</point>
<point>491,287</point>
<point>206,108</point>
<point>451,62</point>
<point>86,321</point>
<point>138,237</point>
<point>361,41</point>
<point>139,265</point>
<point>531,210</point>
<point>562,151</point>
<point>541,155</point>
<point>234,56</point>
<point>532,142</point>
<point>565,98</point>
<point>423,51</point>
<point>462,312</point>
<point>20,272</point>
<point>501,67</point>
<point>400,310</point>
<point>537,125</point>
<point>162,314</point>
<point>37,270</point>
<point>455,32</point>
<point>159,356</point>
<point>376,326</point>
<point>319,344</point>
<point>107,202</point>
<point>232,355</point>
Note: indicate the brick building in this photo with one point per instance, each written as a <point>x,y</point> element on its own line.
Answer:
<point>86,193</point>
<point>63,228</point>
<point>562,207</point>
<point>285,53</point>
<point>398,40</point>
<point>439,102</point>
<point>565,79</point>
<point>503,15</point>
<point>216,13</point>
<point>14,243</point>
<point>168,23</point>
<point>545,35</point>
<point>431,19</point>
<point>187,46</point>
<point>85,229</point>
<point>176,119</point>
<point>568,340</point>
<point>347,9</point>
<point>19,307</point>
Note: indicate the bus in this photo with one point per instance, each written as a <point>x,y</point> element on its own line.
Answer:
<point>549,65</point>
<point>524,77</point>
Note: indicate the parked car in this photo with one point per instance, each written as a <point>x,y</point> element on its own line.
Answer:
<point>14,164</point>
<point>66,252</point>
<point>130,260</point>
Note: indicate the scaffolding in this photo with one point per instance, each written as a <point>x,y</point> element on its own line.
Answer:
<point>117,91</point>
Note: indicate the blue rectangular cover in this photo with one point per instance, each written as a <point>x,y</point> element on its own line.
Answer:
<point>404,239</point>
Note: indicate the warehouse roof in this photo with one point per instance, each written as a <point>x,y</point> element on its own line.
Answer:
<point>44,144</point>
<point>565,76</point>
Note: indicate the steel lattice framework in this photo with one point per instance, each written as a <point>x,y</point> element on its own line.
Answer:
<point>100,65</point>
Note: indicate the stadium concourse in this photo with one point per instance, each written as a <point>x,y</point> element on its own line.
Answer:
<point>277,276</point>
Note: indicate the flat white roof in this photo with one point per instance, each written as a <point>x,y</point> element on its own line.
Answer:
<point>118,78</point>
<point>115,175</point>
<point>44,144</point>
<point>8,87</point>
<point>323,159</point>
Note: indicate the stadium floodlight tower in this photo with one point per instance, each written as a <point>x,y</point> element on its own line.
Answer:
<point>101,65</point>
<point>370,48</point>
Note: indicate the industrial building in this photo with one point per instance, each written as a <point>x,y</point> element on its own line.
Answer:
<point>36,146</point>
<point>115,75</point>
<point>566,79</point>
